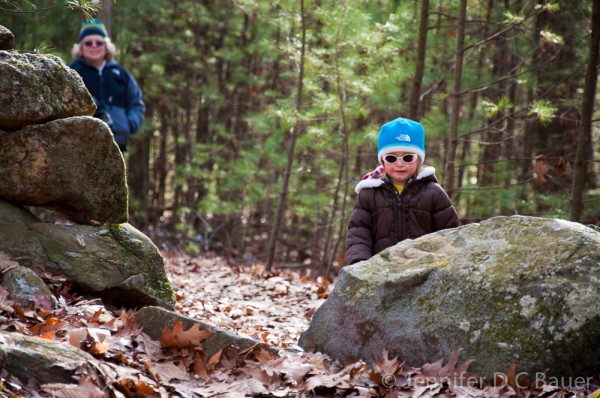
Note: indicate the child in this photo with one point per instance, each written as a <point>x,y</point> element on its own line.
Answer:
<point>401,199</point>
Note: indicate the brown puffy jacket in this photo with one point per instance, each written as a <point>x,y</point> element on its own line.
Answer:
<point>382,217</point>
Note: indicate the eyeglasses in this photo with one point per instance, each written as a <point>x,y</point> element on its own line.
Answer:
<point>94,43</point>
<point>408,158</point>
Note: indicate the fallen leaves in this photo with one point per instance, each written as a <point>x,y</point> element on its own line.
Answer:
<point>136,389</point>
<point>5,302</point>
<point>273,308</point>
<point>84,389</point>
<point>179,338</point>
<point>449,373</point>
<point>48,328</point>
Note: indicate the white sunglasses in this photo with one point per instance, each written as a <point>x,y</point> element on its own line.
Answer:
<point>408,158</point>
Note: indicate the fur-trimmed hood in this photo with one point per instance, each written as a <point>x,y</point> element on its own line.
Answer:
<point>375,178</point>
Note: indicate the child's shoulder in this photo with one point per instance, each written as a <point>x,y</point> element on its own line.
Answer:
<point>373,179</point>
<point>426,173</point>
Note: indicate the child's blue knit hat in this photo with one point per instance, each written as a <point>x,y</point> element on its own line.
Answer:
<point>401,135</point>
<point>92,27</point>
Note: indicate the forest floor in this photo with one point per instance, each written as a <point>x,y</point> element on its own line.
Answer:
<point>276,307</point>
<point>273,308</point>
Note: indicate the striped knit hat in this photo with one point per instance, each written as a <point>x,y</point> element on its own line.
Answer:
<point>92,27</point>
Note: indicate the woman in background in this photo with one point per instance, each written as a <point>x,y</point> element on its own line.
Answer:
<point>116,93</point>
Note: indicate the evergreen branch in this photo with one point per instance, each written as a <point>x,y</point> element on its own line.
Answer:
<point>27,7</point>
<point>85,6</point>
<point>508,28</point>
<point>469,20</point>
<point>533,68</point>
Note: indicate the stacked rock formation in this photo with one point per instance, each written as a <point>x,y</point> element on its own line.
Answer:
<point>56,156</point>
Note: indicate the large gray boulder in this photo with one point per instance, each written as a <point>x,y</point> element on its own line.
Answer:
<point>520,290</point>
<point>38,88</point>
<point>72,166</point>
<point>115,262</point>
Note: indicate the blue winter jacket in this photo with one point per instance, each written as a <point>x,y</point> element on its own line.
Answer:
<point>117,96</point>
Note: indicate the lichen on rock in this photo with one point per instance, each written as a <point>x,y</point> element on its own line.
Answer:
<point>37,88</point>
<point>508,290</point>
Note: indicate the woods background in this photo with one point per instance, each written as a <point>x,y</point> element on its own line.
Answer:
<point>263,115</point>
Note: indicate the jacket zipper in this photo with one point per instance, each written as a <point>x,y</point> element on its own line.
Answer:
<point>401,218</point>
<point>398,210</point>
<point>399,207</point>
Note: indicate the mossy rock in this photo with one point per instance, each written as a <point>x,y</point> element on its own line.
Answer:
<point>520,290</point>
<point>116,262</point>
<point>36,88</point>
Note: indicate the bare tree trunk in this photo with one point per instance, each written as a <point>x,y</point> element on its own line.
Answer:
<point>587,110</point>
<point>343,175</point>
<point>466,147</point>
<point>341,188</point>
<point>292,146</point>
<point>526,143</point>
<point>160,170</point>
<point>329,254</point>
<point>415,97</point>
<point>449,169</point>
<point>179,165</point>
<point>105,15</point>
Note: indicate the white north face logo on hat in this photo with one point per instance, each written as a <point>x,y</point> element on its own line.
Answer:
<point>403,137</point>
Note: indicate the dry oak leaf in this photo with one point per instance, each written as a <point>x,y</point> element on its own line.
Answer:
<point>102,318</point>
<point>560,166</point>
<point>430,390</point>
<point>384,371</point>
<point>5,303</point>
<point>515,381</point>
<point>199,365</point>
<point>541,168</point>
<point>258,352</point>
<point>48,327</point>
<point>227,357</point>
<point>385,364</point>
<point>94,335</point>
<point>450,373</point>
<point>98,349</point>
<point>237,388</point>
<point>136,389</point>
<point>340,380</point>
<point>179,338</point>
<point>167,371</point>
<point>293,369</point>
<point>85,389</point>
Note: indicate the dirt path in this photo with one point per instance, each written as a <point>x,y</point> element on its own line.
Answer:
<point>276,308</point>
